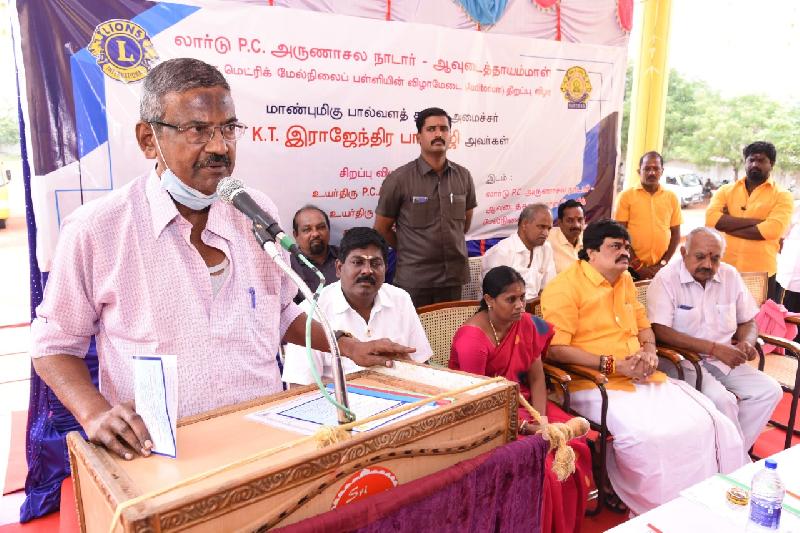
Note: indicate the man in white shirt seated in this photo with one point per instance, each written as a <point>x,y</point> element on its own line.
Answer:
<point>526,251</point>
<point>362,305</point>
<point>701,304</point>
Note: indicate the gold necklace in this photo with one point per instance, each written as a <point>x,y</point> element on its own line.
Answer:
<point>496,340</point>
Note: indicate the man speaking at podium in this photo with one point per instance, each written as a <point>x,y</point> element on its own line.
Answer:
<point>160,267</point>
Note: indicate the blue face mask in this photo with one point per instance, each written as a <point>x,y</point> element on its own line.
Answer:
<point>180,192</point>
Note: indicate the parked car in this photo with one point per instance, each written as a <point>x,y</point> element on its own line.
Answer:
<point>688,187</point>
<point>720,181</point>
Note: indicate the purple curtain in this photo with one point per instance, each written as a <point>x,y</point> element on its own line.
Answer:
<point>498,491</point>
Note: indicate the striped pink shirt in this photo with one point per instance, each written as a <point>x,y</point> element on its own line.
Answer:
<point>125,271</point>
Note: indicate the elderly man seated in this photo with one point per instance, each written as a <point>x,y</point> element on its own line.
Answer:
<point>701,304</point>
<point>526,251</point>
<point>361,305</point>
<point>667,436</point>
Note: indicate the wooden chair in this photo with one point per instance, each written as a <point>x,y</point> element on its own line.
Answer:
<point>671,353</point>
<point>599,380</point>
<point>551,371</point>
<point>473,289</point>
<point>440,322</point>
<point>784,368</point>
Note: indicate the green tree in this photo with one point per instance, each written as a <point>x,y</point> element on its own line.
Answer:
<point>685,99</point>
<point>786,140</point>
<point>728,124</point>
<point>703,127</point>
<point>9,128</point>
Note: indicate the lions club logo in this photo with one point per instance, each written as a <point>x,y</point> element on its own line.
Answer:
<point>576,87</point>
<point>122,49</point>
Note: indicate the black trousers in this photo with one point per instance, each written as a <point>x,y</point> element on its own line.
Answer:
<point>433,295</point>
<point>772,289</point>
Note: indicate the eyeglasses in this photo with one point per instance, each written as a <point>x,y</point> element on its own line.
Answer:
<point>375,263</point>
<point>203,133</point>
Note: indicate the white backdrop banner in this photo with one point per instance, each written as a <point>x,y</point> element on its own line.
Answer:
<point>330,102</point>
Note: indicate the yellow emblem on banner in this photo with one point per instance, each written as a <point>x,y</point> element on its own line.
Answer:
<point>576,87</point>
<point>122,49</point>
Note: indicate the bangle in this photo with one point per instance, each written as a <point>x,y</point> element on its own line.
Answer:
<point>711,351</point>
<point>607,365</point>
<point>521,430</point>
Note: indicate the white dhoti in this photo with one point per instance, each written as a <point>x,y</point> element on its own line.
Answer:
<point>666,437</point>
<point>745,395</point>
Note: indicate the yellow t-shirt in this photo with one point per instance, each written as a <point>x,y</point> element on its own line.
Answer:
<point>769,202</point>
<point>589,313</point>
<point>649,218</point>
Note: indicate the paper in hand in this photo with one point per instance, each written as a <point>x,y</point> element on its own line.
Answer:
<point>156,396</point>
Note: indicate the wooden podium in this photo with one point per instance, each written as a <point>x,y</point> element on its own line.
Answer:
<point>301,480</point>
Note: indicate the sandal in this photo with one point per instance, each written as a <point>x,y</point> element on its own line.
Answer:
<point>614,503</point>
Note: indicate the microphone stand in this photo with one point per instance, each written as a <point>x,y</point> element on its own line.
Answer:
<point>267,242</point>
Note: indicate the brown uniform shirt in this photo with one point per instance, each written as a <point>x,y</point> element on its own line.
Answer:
<point>430,212</point>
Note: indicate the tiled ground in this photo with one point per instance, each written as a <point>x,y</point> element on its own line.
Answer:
<point>14,358</point>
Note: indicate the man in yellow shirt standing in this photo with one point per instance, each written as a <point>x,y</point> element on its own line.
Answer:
<point>667,435</point>
<point>653,217</point>
<point>754,213</point>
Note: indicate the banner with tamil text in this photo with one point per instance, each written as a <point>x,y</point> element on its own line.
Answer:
<point>330,102</point>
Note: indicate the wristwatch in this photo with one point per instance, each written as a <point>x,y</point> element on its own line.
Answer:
<point>341,333</point>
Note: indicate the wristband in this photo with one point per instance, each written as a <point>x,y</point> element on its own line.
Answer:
<point>607,365</point>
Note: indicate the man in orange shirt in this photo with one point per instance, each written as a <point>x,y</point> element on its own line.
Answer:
<point>653,217</point>
<point>599,324</point>
<point>754,213</point>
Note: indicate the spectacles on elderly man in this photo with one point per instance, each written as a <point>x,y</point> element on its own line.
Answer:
<point>203,133</point>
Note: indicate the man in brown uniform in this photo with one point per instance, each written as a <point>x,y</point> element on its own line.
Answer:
<point>430,200</point>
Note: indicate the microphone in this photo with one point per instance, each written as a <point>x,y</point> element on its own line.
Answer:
<point>231,191</point>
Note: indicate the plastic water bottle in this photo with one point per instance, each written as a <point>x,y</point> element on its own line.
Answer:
<point>766,497</point>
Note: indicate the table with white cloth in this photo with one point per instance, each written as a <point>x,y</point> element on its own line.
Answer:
<point>704,508</point>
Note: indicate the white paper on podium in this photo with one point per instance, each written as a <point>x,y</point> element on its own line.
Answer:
<point>156,396</point>
<point>308,412</point>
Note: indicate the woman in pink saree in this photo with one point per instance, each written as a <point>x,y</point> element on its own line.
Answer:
<point>501,339</point>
